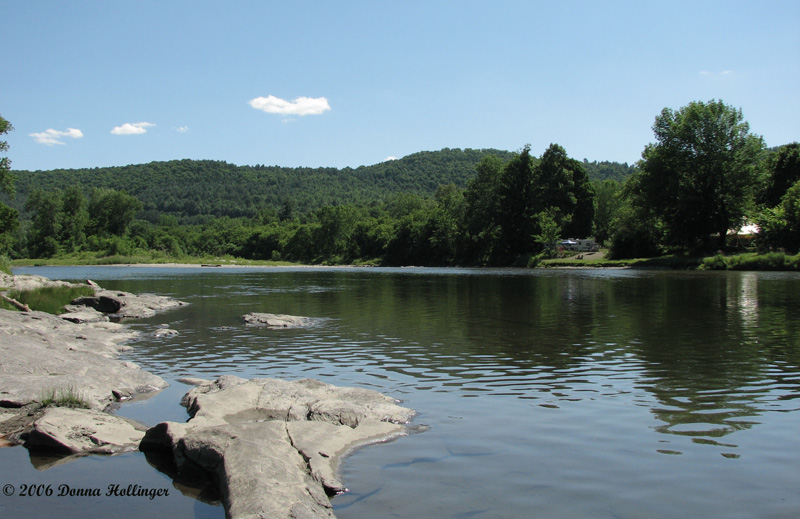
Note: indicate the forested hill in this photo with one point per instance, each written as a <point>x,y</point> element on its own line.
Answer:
<point>189,188</point>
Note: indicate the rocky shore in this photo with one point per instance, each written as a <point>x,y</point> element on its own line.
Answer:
<point>272,447</point>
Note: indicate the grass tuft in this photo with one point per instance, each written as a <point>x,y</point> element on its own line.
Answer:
<point>51,299</point>
<point>67,397</point>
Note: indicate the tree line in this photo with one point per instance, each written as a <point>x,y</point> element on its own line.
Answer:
<point>705,173</point>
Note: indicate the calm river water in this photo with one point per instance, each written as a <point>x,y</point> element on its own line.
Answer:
<point>548,394</point>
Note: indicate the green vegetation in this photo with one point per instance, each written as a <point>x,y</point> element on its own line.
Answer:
<point>8,215</point>
<point>50,299</point>
<point>6,178</point>
<point>5,264</point>
<point>699,177</point>
<point>769,261</point>
<point>67,397</point>
<point>705,174</point>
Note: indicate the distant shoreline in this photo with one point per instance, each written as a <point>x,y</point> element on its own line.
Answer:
<point>773,261</point>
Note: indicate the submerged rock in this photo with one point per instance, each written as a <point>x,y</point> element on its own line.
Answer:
<point>165,332</point>
<point>279,320</point>
<point>273,445</point>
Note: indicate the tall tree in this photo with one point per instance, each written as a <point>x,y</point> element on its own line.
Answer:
<point>46,228</point>
<point>562,188</point>
<point>9,218</point>
<point>111,211</point>
<point>74,218</point>
<point>699,176</point>
<point>517,217</point>
<point>482,210</point>
<point>783,170</point>
<point>607,205</point>
<point>6,178</point>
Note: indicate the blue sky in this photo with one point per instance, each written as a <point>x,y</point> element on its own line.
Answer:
<point>107,83</point>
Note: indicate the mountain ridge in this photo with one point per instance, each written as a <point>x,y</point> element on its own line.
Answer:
<point>191,188</point>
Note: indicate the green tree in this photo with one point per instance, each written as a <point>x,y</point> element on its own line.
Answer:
<point>608,202</point>
<point>481,214</point>
<point>111,211</point>
<point>698,178</point>
<point>445,224</point>
<point>783,170</point>
<point>517,215</point>
<point>9,222</point>
<point>43,239</point>
<point>287,210</point>
<point>549,230</point>
<point>336,225</point>
<point>74,218</point>
<point>9,218</point>
<point>562,188</point>
<point>6,178</point>
<point>780,225</point>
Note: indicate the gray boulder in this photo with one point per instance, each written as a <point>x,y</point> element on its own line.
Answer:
<point>105,304</point>
<point>83,431</point>
<point>124,305</point>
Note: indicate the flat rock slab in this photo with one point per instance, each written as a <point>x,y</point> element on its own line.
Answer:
<point>25,282</point>
<point>234,399</point>
<point>323,445</point>
<point>260,473</point>
<point>274,445</point>
<point>279,320</point>
<point>83,431</point>
<point>42,353</point>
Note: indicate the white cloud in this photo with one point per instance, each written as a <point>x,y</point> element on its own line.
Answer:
<point>709,73</point>
<point>182,129</point>
<point>131,128</point>
<point>390,157</point>
<point>299,106</point>
<point>50,136</point>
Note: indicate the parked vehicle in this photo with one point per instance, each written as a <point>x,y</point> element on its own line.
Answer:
<point>585,245</point>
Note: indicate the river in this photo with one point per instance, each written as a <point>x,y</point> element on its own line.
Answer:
<point>540,393</point>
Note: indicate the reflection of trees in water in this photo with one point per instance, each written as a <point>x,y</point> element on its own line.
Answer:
<point>709,354</point>
<point>715,350</point>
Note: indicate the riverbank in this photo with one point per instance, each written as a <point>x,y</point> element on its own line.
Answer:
<point>773,261</point>
<point>272,447</point>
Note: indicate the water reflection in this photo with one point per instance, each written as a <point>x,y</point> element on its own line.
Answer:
<point>588,393</point>
<point>704,353</point>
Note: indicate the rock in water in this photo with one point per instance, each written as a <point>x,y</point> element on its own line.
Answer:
<point>105,304</point>
<point>274,445</point>
<point>83,431</point>
<point>278,320</point>
<point>41,353</point>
